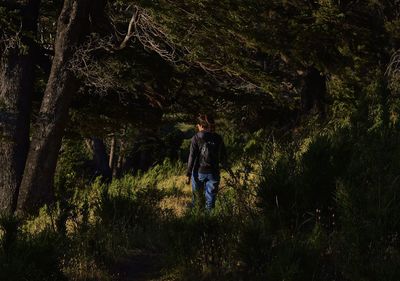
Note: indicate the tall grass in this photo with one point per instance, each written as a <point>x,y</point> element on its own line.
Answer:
<point>320,207</point>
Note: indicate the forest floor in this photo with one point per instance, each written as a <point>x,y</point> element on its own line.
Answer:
<point>139,266</point>
<point>144,265</point>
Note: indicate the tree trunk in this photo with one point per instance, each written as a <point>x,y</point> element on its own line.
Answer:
<point>37,183</point>
<point>118,168</point>
<point>16,90</point>
<point>100,158</point>
<point>112,153</point>
<point>313,96</point>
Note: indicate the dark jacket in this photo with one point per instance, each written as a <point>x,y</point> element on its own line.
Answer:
<point>195,164</point>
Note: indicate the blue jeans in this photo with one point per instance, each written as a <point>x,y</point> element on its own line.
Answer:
<point>205,186</point>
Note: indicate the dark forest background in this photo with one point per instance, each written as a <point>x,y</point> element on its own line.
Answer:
<point>98,101</point>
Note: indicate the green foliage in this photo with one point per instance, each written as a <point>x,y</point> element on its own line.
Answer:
<point>72,164</point>
<point>308,198</point>
<point>345,183</point>
<point>325,209</point>
<point>368,208</point>
<point>20,252</point>
<point>154,177</point>
<point>203,245</point>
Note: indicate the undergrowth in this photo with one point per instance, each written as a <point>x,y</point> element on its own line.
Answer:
<point>322,208</point>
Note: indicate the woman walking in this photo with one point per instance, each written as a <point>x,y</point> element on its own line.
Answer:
<point>207,153</point>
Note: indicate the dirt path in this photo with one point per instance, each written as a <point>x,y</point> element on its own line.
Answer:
<point>139,266</point>
<point>145,266</point>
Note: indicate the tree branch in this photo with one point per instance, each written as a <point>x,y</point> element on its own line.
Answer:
<point>129,34</point>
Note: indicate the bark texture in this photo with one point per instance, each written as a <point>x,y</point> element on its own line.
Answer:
<point>37,183</point>
<point>100,158</point>
<point>112,153</point>
<point>16,90</point>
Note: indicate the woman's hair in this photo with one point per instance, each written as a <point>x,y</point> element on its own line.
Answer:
<point>206,121</point>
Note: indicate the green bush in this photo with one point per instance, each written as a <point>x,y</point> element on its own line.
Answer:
<point>203,245</point>
<point>346,183</point>
<point>31,257</point>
